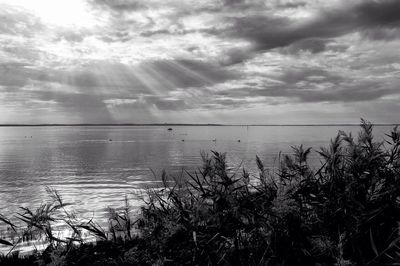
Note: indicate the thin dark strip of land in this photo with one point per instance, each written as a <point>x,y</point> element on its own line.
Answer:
<point>182,124</point>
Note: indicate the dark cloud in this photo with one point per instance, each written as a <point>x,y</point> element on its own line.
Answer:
<point>27,53</point>
<point>71,35</point>
<point>224,103</point>
<point>312,85</point>
<point>347,94</point>
<point>162,103</point>
<point>15,74</point>
<point>235,55</point>
<point>178,29</point>
<point>78,107</point>
<point>377,19</point>
<point>119,78</point>
<point>233,2</point>
<point>377,13</point>
<point>313,45</point>
<point>321,90</point>
<point>291,5</point>
<point>119,5</point>
<point>90,107</point>
<point>20,74</point>
<point>316,75</point>
<point>382,33</point>
<point>122,35</point>
<point>150,33</point>
<point>362,92</point>
<point>189,73</point>
<point>237,6</point>
<point>86,90</point>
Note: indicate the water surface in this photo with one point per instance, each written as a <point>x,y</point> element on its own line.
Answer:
<point>95,167</point>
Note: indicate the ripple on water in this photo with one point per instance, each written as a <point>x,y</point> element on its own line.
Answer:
<point>93,172</point>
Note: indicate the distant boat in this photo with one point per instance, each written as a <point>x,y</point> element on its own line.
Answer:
<point>169,129</point>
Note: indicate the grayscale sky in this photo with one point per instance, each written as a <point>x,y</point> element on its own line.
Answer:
<point>199,61</point>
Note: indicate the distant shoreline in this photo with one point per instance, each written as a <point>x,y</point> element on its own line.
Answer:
<point>170,125</point>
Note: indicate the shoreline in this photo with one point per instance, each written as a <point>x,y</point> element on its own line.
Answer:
<point>189,125</point>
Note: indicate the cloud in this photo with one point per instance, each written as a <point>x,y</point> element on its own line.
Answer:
<point>313,45</point>
<point>71,35</point>
<point>299,83</point>
<point>118,5</point>
<point>90,107</point>
<point>14,74</point>
<point>375,19</point>
<point>317,75</point>
<point>97,89</point>
<point>140,78</point>
<point>162,103</point>
<point>189,73</point>
<point>310,93</point>
<point>377,13</point>
<point>288,5</point>
<point>387,34</point>
<point>318,85</point>
<point>68,107</point>
<point>16,21</point>
<point>141,60</point>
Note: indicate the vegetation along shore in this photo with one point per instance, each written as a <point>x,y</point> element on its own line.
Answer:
<point>344,212</point>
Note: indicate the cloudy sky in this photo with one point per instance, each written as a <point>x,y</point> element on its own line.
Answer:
<point>191,61</point>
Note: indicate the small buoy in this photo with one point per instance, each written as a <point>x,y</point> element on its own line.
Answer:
<point>183,140</point>
<point>238,140</point>
<point>214,140</point>
<point>110,140</point>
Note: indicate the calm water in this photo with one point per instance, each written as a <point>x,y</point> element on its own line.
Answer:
<point>93,172</point>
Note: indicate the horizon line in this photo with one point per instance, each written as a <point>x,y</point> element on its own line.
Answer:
<point>182,124</point>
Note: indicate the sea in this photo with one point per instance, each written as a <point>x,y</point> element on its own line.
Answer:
<point>97,167</point>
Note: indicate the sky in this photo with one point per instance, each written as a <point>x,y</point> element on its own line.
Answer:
<point>191,61</point>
